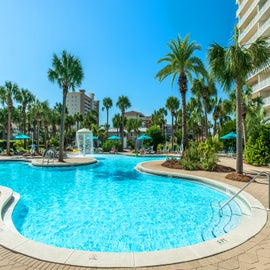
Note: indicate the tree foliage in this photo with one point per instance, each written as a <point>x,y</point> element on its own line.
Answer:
<point>257,151</point>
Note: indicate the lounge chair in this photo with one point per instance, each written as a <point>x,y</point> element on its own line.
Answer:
<point>150,150</point>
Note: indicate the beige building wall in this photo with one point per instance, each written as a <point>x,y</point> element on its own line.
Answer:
<point>253,22</point>
<point>80,102</point>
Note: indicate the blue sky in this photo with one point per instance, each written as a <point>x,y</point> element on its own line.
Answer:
<point>118,42</point>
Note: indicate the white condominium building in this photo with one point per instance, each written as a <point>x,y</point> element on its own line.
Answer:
<point>253,22</point>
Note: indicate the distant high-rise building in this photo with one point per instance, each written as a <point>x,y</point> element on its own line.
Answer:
<point>253,22</point>
<point>80,102</point>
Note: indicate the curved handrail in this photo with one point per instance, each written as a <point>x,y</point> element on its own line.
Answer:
<point>49,154</point>
<point>251,181</point>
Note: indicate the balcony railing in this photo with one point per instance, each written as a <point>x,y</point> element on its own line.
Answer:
<point>255,20</point>
<point>247,13</point>
<point>266,101</point>
<point>240,7</point>
<point>261,30</point>
<point>262,84</point>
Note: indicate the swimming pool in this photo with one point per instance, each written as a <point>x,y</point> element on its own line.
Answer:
<point>110,207</point>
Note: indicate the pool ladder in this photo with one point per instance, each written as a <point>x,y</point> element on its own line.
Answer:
<point>48,155</point>
<point>244,187</point>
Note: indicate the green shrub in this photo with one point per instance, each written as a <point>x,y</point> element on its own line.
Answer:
<point>191,159</point>
<point>131,144</point>
<point>208,153</point>
<point>108,145</point>
<point>257,151</point>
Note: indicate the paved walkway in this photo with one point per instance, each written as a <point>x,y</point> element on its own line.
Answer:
<point>253,254</point>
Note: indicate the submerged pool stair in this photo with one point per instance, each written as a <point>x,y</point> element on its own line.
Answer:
<point>220,223</point>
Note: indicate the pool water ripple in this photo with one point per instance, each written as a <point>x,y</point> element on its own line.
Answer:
<point>110,207</point>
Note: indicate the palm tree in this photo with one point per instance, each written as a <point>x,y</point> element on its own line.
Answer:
<point>250,106</point>
<point>67,72</point>
<point>134,124</point>
<point>54,118</point>
<point>78,117</point>
<point>221,113</point>
<point>117,122</point>
<point>123,103</point>
<point>158,119</point>
<point>35,111</point>
<point>107,104</point>
<point>204,88</point>
<point>182,63</point>
<point>9,92</point>
<point>232,65</point>
<point>195,118</point>
<point>90,118</point>
<point>25,98</point>
<point>172,104</point>
<point>45,116</point>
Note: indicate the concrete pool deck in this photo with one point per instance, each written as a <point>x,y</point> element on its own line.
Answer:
<point>253,254</point>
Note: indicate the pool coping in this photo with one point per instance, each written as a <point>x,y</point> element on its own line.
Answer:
<point>249,226</point>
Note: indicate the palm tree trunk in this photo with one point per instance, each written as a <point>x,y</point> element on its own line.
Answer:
<point>245,129</point>
<point>122,130</point>
<point>107,122</point>
<point>8,130</point>
<point>184,120</point>
<point>205,118</point>
<point>172,133</point>
<point>239,145</point>
<point>61,141</point>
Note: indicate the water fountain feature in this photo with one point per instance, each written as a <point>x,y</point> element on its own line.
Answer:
<point>84,139</point>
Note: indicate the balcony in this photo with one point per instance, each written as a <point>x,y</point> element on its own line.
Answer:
<point>240,7</point>
<point>255,20</point>
<point>262,30</point>
<point>261,85</point>
<point>247,13</point>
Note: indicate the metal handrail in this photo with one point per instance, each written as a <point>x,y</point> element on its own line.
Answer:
<point>49,154</point>
<point>251,181</point>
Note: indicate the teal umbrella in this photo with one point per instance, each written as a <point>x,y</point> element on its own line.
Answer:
<point>21,137</point>
<point>114,138</point>
<point>229,136</point>
<point>144,137</point>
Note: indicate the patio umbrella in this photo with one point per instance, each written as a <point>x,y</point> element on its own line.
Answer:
<point>21,137</point>
<point>144,137</point>
<point>229,136</point>
<point>114,138</point>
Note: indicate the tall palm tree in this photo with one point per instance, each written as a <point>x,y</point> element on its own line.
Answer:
<point>78,117</point>
<point>195,118</point>
<point>25,98</point>
<point>117,122</point>
<point>182,63</point>
<point>123,103</point>
<point>250,106</point>
<point>9,92</point>
<point>67,72</point>
<point>35,111</point>
<point>54,121</point>
<point>232,65</point>
<point>90,118</point>
<point>107,104</point>
<point>45,116</point>
<point>172,104</point>
<point>204,88</point>
<point>158,118</point>
<point>221,113</point>
<point>134,124</point>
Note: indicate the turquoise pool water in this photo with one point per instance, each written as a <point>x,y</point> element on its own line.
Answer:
<point>110,207</point>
